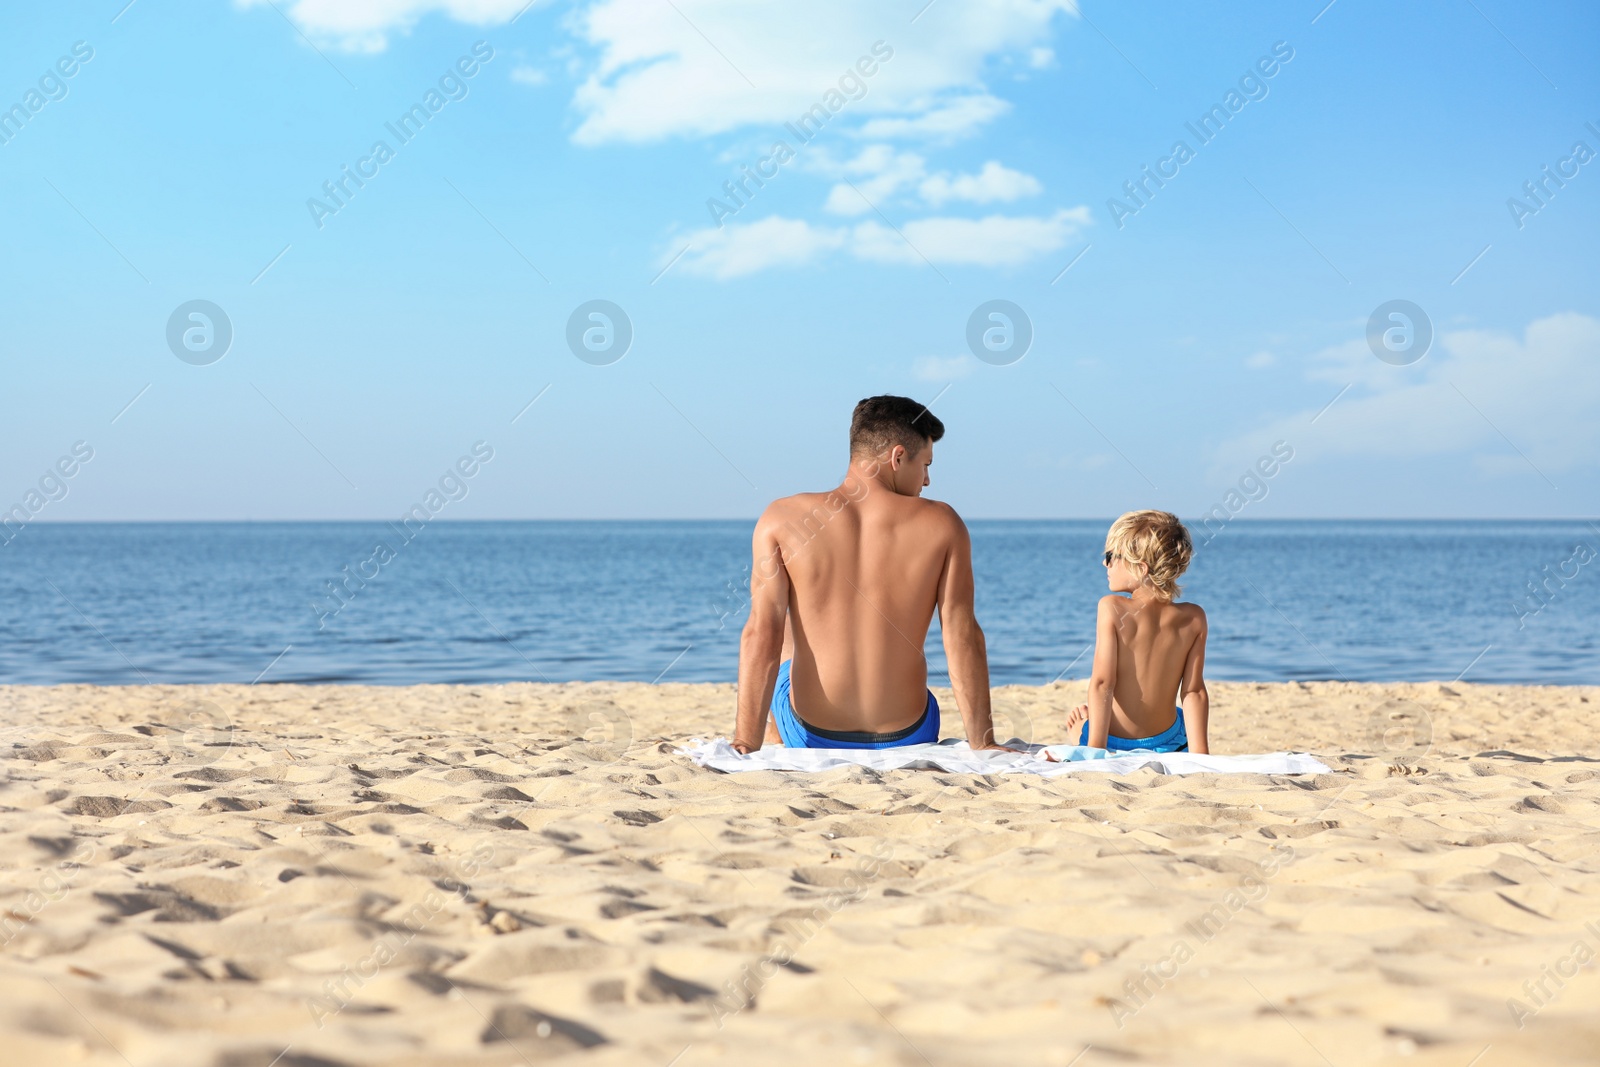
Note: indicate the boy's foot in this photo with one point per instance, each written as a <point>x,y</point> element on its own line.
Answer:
<point>1078,716</point>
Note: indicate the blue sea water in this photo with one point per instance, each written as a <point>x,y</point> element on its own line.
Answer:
<point>647,601</point>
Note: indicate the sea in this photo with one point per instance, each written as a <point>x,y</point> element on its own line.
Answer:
<point>660,601</point>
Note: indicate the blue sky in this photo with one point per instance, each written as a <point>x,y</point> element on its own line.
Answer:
<point>372,346</point>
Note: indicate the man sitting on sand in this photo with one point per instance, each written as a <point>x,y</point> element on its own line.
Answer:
<point>842,589</point>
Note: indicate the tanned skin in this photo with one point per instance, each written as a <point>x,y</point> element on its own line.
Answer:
<point>1147,653</point>
<point>849,580</point>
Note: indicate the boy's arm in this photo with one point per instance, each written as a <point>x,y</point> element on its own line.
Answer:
<point>761,643</point>
<point>1103,676</point>
<point>1196,701</point>
<point>964,647</point>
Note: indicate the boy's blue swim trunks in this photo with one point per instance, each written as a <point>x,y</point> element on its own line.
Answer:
<point>1173,739</point>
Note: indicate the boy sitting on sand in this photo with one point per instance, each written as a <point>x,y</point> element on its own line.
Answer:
<point>1146,647</point>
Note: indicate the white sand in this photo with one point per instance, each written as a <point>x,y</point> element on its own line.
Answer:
<point>442,875</point>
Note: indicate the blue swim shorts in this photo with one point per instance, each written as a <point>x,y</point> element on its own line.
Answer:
<point>797,733</point>
<point>1173,739</point>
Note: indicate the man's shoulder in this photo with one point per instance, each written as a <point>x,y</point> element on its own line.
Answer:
<point>936,512</point>
<point>932,522</point>
<point>933,517</point>
<point>795,504</point>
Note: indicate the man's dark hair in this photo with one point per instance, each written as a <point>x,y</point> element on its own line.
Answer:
<point>881,422</point>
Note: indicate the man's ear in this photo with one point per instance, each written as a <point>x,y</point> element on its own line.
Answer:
<point>897,457</point>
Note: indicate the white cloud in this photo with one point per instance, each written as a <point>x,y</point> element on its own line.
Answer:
<point>943,369</point>
<point>878,172</point>
<point>1260,359</point>
<point>994,241</point>
<point>772,242</point>
<point>698,67</point>
<point>998,240</point>
<point>888,171</point>
<point>525,75</point>
<point>1039,58</point>
<point>993,182</point>
<point>1473,393</point>
<point>948,119</point>
<point>365,25</point>
<point>872,159</point>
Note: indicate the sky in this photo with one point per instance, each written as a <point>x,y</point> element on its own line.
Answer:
<point>297,259</point>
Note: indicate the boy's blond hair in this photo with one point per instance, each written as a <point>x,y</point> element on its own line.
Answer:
<point>1158,540</point>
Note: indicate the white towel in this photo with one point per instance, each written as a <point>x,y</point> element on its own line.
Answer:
<point>953,755</point>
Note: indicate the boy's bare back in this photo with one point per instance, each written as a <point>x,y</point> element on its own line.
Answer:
<point>1149,652</point>
<point>1158,644</point>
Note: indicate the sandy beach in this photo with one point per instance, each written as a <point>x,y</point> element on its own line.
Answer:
<point>514,874</point>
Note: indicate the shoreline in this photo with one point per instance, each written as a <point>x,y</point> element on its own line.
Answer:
<point>1340,715</point>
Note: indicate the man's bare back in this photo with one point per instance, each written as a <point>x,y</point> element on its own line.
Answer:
<point>845,584</point>
<point>863,586</point>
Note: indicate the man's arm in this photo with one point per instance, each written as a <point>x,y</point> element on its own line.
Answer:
<point>761,643</point>
<point>964,646</point>
<point>1103,675</point>
<point>1196,701</point>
